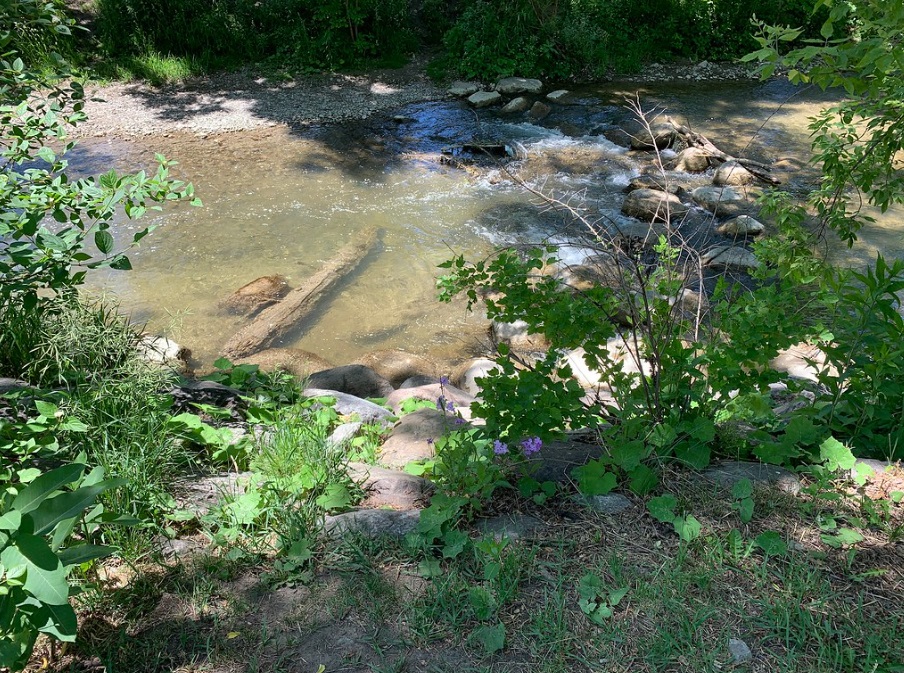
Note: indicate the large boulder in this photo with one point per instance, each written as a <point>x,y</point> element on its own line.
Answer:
<point>723,201</point>
<point>801,361</point>
<point>657,182</point>
<point>431,392</point>
<point>539,110</point>
<point>356,380</point>
<point>390,488</point>
<point>257,294</point>
<point>372,523</point>
<point>733,174</point>
<point>511,86</point>
<point>396,366</point>
<point>468,374</point>
<point>516,336</point>
<point>652,205</point>
<point>730,472</point>
<point>741,227</point>
<point>485,98</point>
<point>294,361</point>
<point>350,405</point>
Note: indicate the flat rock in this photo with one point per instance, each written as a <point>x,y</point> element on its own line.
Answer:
<point>461,89</point>
<point>730,257</point>
<point>344,433</point>
<point>730,472</point>
<point>431,392</point>
<point>356,380</point>
<point>558,458</point>
<point>559,96</point>
<point>373,522</point>
<point>351,405</point>
<point>485,98</point>
<point>294,361</point>
<point>740,652</point>
<point>413,436</point>
<point>515,85</point>
<point>611,503</point>
<point>801,361</point>
<point>8,385</point>
<point>511,526</point>
<point>201,495</point>
<point>396,366</point>
<point>390,488</point>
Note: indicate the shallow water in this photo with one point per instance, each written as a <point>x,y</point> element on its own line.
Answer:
<point>282,200</point>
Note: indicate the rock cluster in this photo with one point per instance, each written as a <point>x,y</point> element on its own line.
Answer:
<point>514,95</point>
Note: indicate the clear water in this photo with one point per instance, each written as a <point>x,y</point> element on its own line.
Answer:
<point>281,201</point>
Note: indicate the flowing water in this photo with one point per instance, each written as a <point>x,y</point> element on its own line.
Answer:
<point>280,201</point>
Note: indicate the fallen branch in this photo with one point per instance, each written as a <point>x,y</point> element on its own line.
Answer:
<point>273,322</point>
<point>700,141</point>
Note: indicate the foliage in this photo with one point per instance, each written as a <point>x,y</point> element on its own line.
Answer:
<point>596,601</point>
<point>856,140</point>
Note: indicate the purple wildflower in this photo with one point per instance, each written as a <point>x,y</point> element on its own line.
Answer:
<point>444,380</point>
<point>499,448</point>
<point>442,404</point>
<point>430,441</point>
<point>531,445</point>
<point>459,420</point>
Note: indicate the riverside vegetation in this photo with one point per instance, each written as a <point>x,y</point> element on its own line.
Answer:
<point>688,577</point>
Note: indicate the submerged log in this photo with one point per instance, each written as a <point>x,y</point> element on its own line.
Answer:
<point>694,139</point>
<point>273,322</point>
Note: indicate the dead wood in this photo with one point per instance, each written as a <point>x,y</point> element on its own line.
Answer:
<point>273,322</point>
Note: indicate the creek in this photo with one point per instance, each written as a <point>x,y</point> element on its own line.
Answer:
<point>280,200</point>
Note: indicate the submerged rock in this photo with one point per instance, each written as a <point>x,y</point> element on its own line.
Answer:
<point>539,111</point>
<point>657,136</point>
<point>257,294</point>
<point>396,366</point>
<point>559,96</point>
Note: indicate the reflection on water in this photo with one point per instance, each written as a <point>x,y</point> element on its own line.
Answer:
<point>278,201</point>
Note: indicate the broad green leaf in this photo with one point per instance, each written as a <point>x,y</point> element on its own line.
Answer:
<point>688,528</point>
<point>58,621</point>
<point>616,596</point>
<point>12,520</point>
<point>45,577</point>
<point>742,489</point>
<point>643,480</point>
<point>491,638</point>
<point>843,537</point>
<point>745,509</point>
<point>835,455</point>
<point>771,543</point>
<point>83,553</point>
<point>662,508</point>
<point>104,241</point>
<point>68,505</point>
<point>35,493</point>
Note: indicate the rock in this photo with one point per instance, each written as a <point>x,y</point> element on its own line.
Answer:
<point>431,392</point>
<point>560,96</point>
<point>461,89</point>
<point>647,233</point>
<point>163,352</point>
<point>659,135</point>
<point>740,653</point>
<point>742,225</point>
<point>396,366</point>
<point>516,336</point>
<point>189,393</point>
<point>558,458</point>
<point>356,380</point>
<point>519,104</point>
<point>539,110</point>
<point>8,385</point>
<point>468,374</point>
<point>730,257</point>
<point>620,354</point>
<point>731,173</point>
<point>350,405</point>
<point>483,99</point>
<point>691,302</point>
<point>200,495</point>
<point>373,522</point>
<point>390,488</point>
<point>511,526</point>
<point>651,205</point>
<point>730,472</point>
<point>516,85</point>
<point>257,294</point>
<point>612,503</point>
<point>655,182</point>
<point>294,361</point>
<point>345,433</point>
<point>723,201</point>
<point>413,436</point>
<point>692,160</point>
<point>179,549</point>
<point>417,381</point>
<point>599,270</point>
<point>801,361</point>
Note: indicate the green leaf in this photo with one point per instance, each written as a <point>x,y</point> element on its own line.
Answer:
<point>46,409</point>
<point>45,577</point>
<point>742,489</point>
<point>454,542</point>
<point>58,621</point>
<point>594,478</point>
<point>35,493</point>
<point>84,553</point>
<point>616,596</point>
<point>835,455</point>
<point>843,537</point>
<point>771,543</point>
<point>11,520</point>
<point>491,638</point>
<point>695,454</point>
<point>104,241</point>
<point>643,480</point>
<point>663,507</point>
<point>69,505</point>
<point>688,528</point>
<point>745,509</point>
<point>334,497</point>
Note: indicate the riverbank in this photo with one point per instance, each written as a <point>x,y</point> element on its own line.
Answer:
<point>243,100</point>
